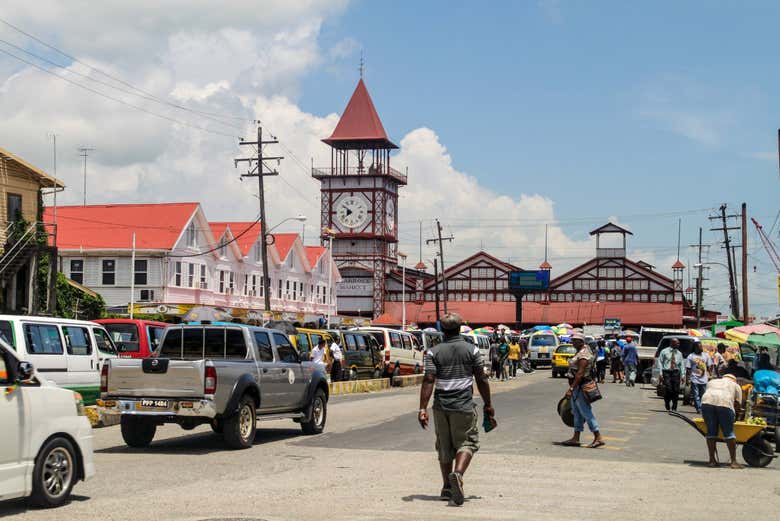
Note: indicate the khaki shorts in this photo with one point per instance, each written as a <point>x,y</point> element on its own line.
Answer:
<point>455,431</point>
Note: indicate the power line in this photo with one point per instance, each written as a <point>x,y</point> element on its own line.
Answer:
<point>147,94</point>
<point>112,98</point>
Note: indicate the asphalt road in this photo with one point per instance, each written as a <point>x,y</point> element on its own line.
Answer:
<point>374,462</point>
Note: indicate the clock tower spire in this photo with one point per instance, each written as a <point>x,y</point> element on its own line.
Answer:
<point>359,201</point>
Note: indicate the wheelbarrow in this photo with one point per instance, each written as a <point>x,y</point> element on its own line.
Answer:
<point>756,451</point>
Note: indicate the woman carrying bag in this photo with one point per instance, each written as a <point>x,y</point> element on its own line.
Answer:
<point>582,391</point>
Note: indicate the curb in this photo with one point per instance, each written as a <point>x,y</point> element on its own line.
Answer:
<point>359,386</point>
<point>408,381</point>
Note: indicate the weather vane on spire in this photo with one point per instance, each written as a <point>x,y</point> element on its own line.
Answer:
<point>362,65</point>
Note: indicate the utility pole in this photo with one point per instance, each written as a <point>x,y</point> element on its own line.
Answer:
<point>745,313</point>
<point>84,152</point>
<point>734,297</point>
<point>700,279</point>
<point>436,288</point>
<point>258,169</point>
<point>441,240</point>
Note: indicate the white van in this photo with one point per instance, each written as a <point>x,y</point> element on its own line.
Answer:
<point>403,354</point>
<point>541,346</point>
<point>70,353</point>
<point>483,344</point>
<point>47,439</point>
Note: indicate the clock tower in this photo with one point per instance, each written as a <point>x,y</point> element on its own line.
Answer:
<point>359,202</point>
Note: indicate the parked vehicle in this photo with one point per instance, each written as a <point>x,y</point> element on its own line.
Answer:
<point>307,339</point>
<point>363,358</point>
<point>70,353</point>
<point>402,354</point>
<point>560,360</point>
<point>134,338</point>
<point>483,344</point>
<point>228,376</point>
<point>647,345</point>
<point>427,339</point>
<point>686,347</point>
<point>47,439</point>
<point>541,346</point>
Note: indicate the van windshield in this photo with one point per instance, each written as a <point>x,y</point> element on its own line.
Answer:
<point>125,336</point>
<point>543,340</point>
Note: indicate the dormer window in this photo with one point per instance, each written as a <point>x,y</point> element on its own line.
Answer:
<point>258,252</point>
<point>290,261</point>
<point>222,246</point>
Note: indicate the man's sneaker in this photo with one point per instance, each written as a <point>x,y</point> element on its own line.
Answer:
<point>456,486</point>
<point>446,494</point>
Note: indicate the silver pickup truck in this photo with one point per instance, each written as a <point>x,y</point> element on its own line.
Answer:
<point>228,376</point>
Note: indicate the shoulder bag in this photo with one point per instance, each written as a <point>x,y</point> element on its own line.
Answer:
<point>591,391</point>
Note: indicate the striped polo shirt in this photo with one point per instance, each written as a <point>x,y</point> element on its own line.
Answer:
<point>452,362</point>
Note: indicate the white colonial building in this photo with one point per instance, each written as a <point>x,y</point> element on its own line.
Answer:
<point>182,260</point>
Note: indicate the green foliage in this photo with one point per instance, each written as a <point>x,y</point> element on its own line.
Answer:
<point>73,303</point>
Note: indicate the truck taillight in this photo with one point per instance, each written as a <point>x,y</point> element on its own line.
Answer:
<point>104,377</point>
<point>210,383</point>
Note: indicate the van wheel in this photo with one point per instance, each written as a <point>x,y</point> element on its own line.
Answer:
<point>353,374</point>
<point>54,474</point>
<point>318,414</point>
<point>240,428</point>
<point>137,432</point>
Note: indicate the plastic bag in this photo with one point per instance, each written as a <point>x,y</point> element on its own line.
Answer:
<point>766,381</point>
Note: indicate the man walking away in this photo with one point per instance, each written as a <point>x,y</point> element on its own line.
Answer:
<point>616,363</point>
<point>630,358</point>
<point>514,357</point>
<point>671,362</point>
<point>451,368</point>
<point>503,356</point>
<point>698,365</point>
<point>335,368</point>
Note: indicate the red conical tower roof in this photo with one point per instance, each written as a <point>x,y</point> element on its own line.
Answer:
<point>545,266</point>
<point>678,265</point>
<point>359,126</point>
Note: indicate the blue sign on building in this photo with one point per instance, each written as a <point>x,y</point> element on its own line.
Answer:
<point>523,280</point>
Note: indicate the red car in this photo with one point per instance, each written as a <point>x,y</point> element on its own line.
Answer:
<point>134,338</point>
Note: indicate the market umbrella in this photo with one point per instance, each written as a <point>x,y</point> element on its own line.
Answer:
<point>695,332</point>
<point>484,331</point>
<point>562,331</point>
<point>206,313</point>
<point>465,329</point>
<point>502,326</point>
<point>541,328</point>
<point>765,340</point>
<point>430,330</point>
<point>567,326</point>
<point>741,334</point>
<point>628,332</point>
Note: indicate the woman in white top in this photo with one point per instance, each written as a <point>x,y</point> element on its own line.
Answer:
<point>719,405</point>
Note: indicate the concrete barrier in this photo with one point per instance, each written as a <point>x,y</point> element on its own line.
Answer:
<point>359,386</point>
<point>408,381</point>
<point>98,419</point>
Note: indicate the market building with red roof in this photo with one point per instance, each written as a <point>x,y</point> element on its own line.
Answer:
<point>183,260</point>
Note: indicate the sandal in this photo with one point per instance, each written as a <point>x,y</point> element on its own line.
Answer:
<point>596,444</point>
<point>571,443</point>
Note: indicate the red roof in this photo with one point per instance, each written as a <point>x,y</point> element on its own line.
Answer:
<point>250,230</point>
<point>313,253</point>
<point>545,266</point>
<point>481,313</point>
<point>99,227</point>
<point>283,243</point>
<point>678,265</point>
<point>360,125</point>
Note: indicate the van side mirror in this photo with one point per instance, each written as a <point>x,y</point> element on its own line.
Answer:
<point>24,371</point>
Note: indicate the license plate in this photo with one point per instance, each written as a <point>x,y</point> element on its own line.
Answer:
<point>160,404</point>
<point>542,349</point>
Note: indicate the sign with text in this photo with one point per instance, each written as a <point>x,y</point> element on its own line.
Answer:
<point>355,287</point>
<point>611,323</point>
<point>529,280</point>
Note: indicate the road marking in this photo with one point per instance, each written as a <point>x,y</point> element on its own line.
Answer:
<point>627,423</point>
<point>629,431</point>
<point>610,447</point>
<point>612,438</point>
<point>635,418</point>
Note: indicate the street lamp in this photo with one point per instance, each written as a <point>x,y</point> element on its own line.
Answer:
<point>403,290</point>
<point>264,250</point>
<point>330,233</point>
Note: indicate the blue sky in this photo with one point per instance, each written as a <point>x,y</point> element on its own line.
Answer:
<point>621,110</point>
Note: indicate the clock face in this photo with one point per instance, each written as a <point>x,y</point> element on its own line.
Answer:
<point>390,216</point>
<point>352,212</point>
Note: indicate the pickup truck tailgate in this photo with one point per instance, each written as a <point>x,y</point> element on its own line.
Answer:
<point>154,377</point>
